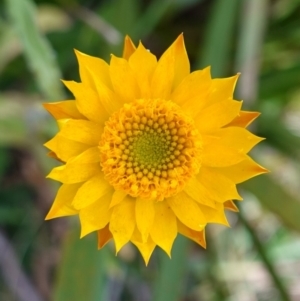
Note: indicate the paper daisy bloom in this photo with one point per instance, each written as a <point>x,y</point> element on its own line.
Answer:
<point>149,150</point>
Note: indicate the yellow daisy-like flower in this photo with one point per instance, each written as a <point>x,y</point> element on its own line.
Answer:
<point>149,149</point>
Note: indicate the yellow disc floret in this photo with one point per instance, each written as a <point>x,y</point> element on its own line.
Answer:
<point>150,148</point>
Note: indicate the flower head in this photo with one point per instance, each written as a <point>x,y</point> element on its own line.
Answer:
<point>149,150</point>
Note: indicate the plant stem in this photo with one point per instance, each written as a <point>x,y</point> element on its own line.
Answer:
<point>264,256</point>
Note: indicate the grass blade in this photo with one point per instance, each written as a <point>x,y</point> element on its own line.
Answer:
<point>37,50</point>
<point>82,274</point>
<point>168,285</point>
<point>250,42</point>
<point>219,34</point>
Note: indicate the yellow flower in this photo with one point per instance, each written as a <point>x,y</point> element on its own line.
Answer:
<point>149,149</point>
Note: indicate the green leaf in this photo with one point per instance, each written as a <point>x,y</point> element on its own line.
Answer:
<point>38,52</point>
<point>170,279</point>
<point>82,273</point>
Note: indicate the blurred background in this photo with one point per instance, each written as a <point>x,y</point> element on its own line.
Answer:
<point>258,259</point>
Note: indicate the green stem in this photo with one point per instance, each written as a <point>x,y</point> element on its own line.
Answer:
<point>221,292</point>
<point>264,256</point>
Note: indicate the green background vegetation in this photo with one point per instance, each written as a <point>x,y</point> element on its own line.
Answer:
<point>258,259</point>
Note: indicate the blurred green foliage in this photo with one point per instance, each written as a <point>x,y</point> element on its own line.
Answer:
<point>259,258</point>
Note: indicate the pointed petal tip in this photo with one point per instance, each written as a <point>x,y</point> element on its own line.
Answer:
<point>46,105</point>
<point>263,170</point>
<point>79,55</point>
<point>146,256</point>
<point>52,215</point>
<point>260,170</point>
<point>119,246</point>
<point>203,243</point>
<point>230,205</point>
<point>77,52</point>
<point>179,42</point>
<point>127,38</point>
<point>84,233</point>
<point>129,47</point>
<point>49,216</point>
<point>167,251</point>
<point>117,249</point>
<point>46,143</point>
<point>181,37</point>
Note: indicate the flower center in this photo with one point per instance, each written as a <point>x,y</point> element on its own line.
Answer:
<point>150,149</point>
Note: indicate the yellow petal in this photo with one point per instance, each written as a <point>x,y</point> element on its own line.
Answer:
<point>123,79</point>
<point>216,216</point>
<point>74,173</point>
<point>187,211</point>
<point>217,115</point>
<point>172,68</point>
<point>164,229</point>
<point>95,216</point>
<point>196,236</point>
<point>104,236</point>
<point>220,187</point>
<point>88,102</point>
<point>100,69</point>
<point>78,169</point>
<point>92,190</point>
<point>216,154</point>
<point>192,93</point>
<point>244,119</point>
<point>129,48</point>
<point>117,197</point>
<point>143,63</point>
<point>182,63</point>
<point>62,203</point>
<point>64,148</point>
<point>238,138</point>
<point>122,222</point>
<point>222,88</point>
<point>146,248</point>
<point>82,131</point>
<point>91,155</point>
<point>197,191</point>
<point>242,171</point>
<point>110,101</point>
<point>63,109</point>
<point>144,214</point>
<point>230,205</point>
